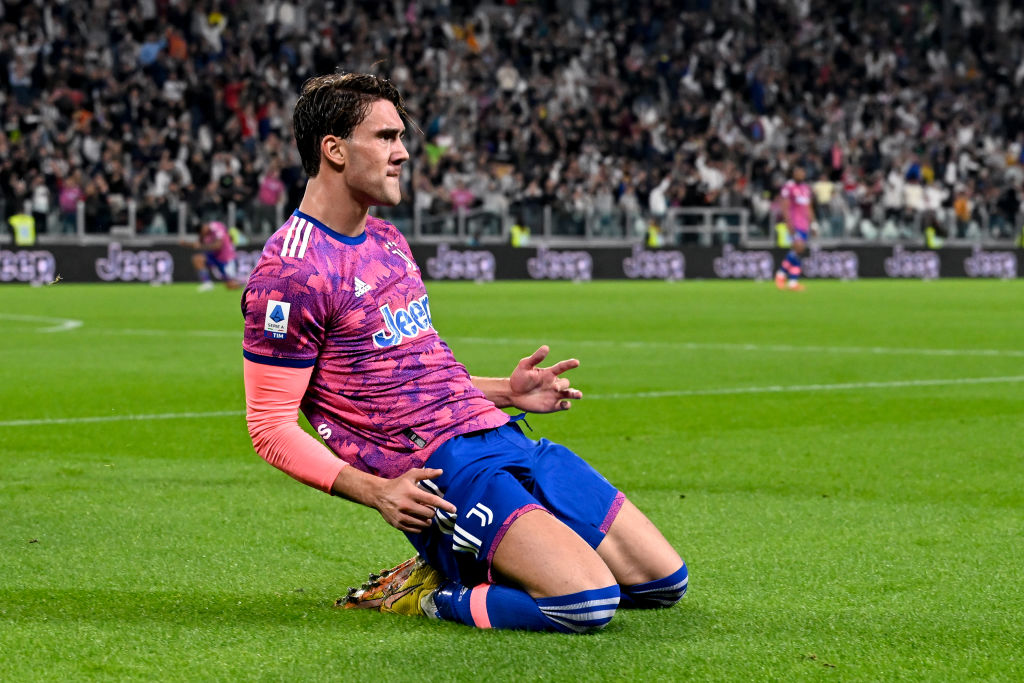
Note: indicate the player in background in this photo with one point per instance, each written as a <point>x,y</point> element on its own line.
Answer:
<point>509,532</point>
<point>798,213</point>
<point>217,257</point>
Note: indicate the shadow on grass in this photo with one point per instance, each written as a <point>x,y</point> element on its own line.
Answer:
<point>191,609</point>
<point>184,608</point>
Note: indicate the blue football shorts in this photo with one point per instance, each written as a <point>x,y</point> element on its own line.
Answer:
<point>493,477</point>
<point>223,270</point>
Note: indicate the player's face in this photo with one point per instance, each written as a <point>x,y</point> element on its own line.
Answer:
<point>375,154</point>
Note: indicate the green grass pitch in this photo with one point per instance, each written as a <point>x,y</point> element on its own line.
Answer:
<point>842,469</point>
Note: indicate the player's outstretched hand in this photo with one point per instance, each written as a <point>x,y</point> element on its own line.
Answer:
<point>542,390</point>
<point>406,506</point>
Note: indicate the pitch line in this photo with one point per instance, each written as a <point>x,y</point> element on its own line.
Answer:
<point>795,388</point>
<point>774,389</point>
<point>56,324</point>
<point>235,334</point>
<point>689,346</point>
<point>760,348</point>
<point>119,418</point>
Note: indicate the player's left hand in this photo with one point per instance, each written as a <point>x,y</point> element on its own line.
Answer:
<point>542,390</point>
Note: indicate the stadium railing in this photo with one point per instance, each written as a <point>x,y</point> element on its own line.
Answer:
<point>548,224</point>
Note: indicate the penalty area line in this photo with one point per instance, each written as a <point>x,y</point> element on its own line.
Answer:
<point>756,348</point>
<point>54,324</point>
<point>635,344</point>
<point>233,334</point>
<point>795,388</point>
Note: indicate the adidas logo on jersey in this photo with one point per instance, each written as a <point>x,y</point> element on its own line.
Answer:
<point>361,288</point>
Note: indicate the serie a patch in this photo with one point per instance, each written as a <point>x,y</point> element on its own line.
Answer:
<point>275,325</point>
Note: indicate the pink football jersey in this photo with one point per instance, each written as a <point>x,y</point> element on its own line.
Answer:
<point>386,391</point>
<point>799,196</point>
<point>218,231</point>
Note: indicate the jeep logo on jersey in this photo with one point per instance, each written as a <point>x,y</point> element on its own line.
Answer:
<point>405,323</point>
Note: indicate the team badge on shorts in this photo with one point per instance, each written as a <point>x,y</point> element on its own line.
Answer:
<point>276,323</point>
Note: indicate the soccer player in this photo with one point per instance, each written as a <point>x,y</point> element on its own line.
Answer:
<point>509,532</point>
<point>798,212</point>
<point>217,257</point>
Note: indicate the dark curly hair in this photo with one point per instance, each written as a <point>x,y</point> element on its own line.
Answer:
<point>334,105</point>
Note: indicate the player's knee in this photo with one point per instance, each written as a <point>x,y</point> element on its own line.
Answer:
<point>583,612</point>
<point>661,593</point>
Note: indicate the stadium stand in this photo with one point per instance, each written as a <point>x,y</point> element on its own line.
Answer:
<point>594,118</point>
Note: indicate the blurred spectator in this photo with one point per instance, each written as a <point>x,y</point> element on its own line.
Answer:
<point>70,194</point>
<point>657,202</point>
<point>461,197</point>
<point>40,202</point>
<point>962,209</point>
<point>824,190</point>
<point>892,199</point>
<point>271,193</point>
<point>934,214</point>
<point>97,209</point>
<point>23,225</point>
<point>1007,206</point>
<point>913,200</point>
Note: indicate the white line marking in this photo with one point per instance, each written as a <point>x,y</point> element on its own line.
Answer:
<point>777,389</point>
<point>59,324</point>
<point>119,418</point>
<point>773,348</point>
<point>235,334</point>
<point>690,346</point>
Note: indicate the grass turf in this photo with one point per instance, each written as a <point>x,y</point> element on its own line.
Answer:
<point>843,470</point>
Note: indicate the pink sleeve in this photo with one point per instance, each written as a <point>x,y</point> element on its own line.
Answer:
<point>272,398</point>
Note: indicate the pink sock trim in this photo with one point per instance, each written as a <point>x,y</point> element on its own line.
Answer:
<point>478,606</point>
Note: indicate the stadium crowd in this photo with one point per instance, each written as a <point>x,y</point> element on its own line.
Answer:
<point>903,114</point>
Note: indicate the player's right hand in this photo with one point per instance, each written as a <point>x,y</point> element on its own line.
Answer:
<point>406,506</point>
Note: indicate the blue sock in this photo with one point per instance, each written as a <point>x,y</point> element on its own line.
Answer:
<point>791,264</point>
<point>661,593</point>
<point>494,606</point>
